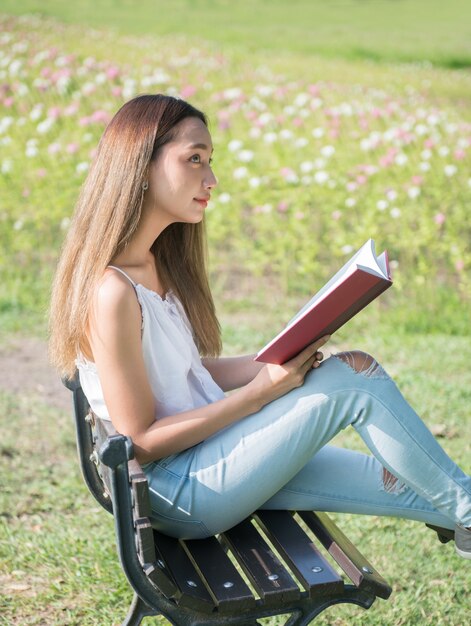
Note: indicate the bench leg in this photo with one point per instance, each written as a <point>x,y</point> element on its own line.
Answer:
<point>137,611</point>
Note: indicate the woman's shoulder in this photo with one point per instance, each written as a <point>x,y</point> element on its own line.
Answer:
<point>115,295</point>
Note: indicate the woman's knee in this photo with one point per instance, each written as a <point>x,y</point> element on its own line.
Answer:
<point>362,363</point>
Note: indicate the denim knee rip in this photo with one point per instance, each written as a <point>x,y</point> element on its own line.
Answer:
<point>363,363</point>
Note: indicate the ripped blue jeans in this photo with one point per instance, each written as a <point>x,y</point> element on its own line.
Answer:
<point>278,458</point>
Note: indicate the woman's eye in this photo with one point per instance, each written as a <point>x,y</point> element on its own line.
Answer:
<point>195,158</point>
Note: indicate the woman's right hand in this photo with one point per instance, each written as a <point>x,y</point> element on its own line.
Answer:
<point>274,381</point>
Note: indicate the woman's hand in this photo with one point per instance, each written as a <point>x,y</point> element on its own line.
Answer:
<point>274,381</point>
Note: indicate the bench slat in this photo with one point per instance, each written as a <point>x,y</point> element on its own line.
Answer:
<point>140,490</point>
<point>144,541</point>
<point>358,569</point>
<point>268,575</point>
<point>174,561</point>
<point>296,547</point>
<point>224,583</point>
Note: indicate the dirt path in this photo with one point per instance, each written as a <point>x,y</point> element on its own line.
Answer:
<point>24,368</point>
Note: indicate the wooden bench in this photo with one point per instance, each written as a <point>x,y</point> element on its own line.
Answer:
<point>273,563</point>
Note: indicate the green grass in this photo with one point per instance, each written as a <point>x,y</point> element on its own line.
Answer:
<point>381,30</point>
<point>58,563</point>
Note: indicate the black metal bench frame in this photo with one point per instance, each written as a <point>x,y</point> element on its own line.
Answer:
<point>281,569</point>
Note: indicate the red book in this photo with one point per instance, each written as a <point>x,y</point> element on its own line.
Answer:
<point>362,279</point>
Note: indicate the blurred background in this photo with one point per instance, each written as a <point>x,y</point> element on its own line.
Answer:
<point>333,122</point>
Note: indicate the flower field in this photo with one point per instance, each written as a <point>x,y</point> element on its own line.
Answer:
<point>312,159</point>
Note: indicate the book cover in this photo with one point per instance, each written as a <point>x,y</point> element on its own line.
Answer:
<point>362,279</point>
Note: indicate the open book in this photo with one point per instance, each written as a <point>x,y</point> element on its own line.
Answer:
<point>364,277</point>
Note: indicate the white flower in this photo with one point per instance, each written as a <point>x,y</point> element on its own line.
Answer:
<point>265,118</point>
<point>15,67</point>
<point>301,99</point>
<point>100,78</point>
<point>318,133</point>
<point>224,198</point>
<point>347,249</point>
<point>65,222</point>
<point>255,132</point>
<point>289,110</point>
<point>270,137</point>
<point>328,151</point>
<point>321,177</point>
<point>301,142</point>
<point>5,123</point>
<point>286,133</point>
<point>31,151</point>
<point>421,129</point>
<point>413,192</point>
<point>18,225</point>
<point>292,178</point>
<point>81,167</point>
<point>443,151</point>
<point>240,172</point>
<point>7,166</point>
<point>450,170</point>
<point>44,126</point>
<point>426,154</point>
<point>350,202</point>
<point>245,156</point>
<point>401,159</point>
<point>234,145</point>
<point>306,166</point>
<point>382,205</point>
<point>469,182</point>
<point>306,180</point>
<point>391,194</point>
<point>36,112</point>
<point>424,166</point>
<point>254,182</point>
<point>232,93</point>
<point>395,212</point>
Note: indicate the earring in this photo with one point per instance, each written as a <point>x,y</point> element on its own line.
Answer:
<point>145,186</point>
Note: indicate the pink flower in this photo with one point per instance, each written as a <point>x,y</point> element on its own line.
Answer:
<point>72,148</point>
<point>8,102</point>
<point>187,91</point>
<point>336,215</point>
<point>41,173</point>
<point>72,109</point>
<point>439,219</point>
<point>417,180</point>
<point>84,121</point>
<point>100,117</point>
<point>54,113</point>
<point>459,265</point>
<point>459,154</point>
<point>282,207</point>
<point>112,72</point>
<point>117,92</point>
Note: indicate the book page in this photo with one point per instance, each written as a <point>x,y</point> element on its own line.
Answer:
<point>366,255</point>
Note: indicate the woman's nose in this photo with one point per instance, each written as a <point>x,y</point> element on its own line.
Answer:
<point>210,180</point>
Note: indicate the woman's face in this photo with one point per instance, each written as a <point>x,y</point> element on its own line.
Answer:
<point>181,178</point>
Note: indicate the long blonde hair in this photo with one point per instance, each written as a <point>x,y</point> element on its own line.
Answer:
<point>106,216</point>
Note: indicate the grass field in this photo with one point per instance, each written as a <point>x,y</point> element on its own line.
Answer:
<point>52,573</point>
<point>377,30</point>
<point>324,136</point>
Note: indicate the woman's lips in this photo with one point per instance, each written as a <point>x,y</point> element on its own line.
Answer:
<point>202,201</point>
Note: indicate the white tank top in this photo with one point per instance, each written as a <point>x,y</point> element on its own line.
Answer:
<point>178,379</point>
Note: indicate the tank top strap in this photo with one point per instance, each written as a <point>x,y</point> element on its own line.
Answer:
<point>124,274</point>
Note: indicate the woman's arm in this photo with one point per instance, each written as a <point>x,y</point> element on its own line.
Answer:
<point>115,338</point>
<point>232,372</point>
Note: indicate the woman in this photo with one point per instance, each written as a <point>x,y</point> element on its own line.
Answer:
<point>132,309</point>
